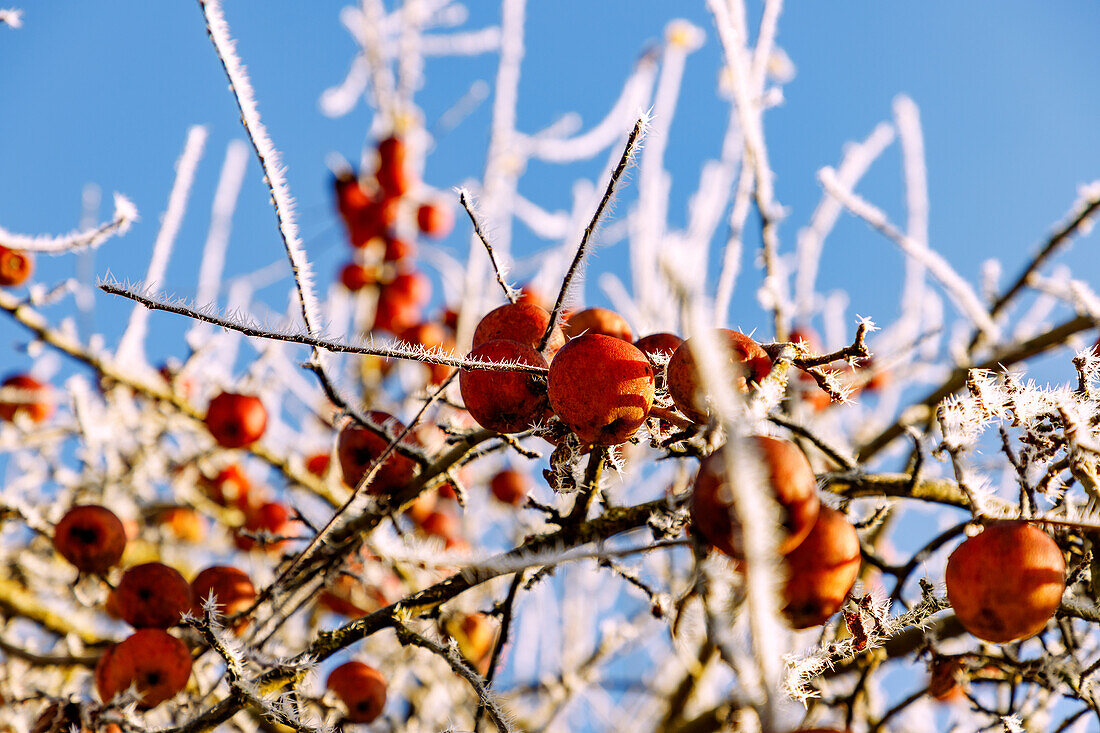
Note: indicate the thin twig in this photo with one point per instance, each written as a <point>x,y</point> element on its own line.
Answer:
<point>125,215</point>
<point>397,351</point>
<point>1011,354</point>
<point>506,616</point>
<point>841,458</point>
<point>360,490</point>
<point>1060,236</point>
<point>460,667</point>
<point>632,141</point>
<point>268,155</point>
<point>464,199</point>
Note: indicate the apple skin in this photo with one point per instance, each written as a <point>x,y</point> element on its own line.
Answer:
<point>357,448</point>
<point>393,175</point>
<point>355,277</point>
<point>435,219</point>
<point>271,517</point>
<point>351,199</point>
<point>821,570</point>
<point>37,409</point>
<point>504,401</point>
<point>154,660</point>
<point>362,689</point>
<point>598,320</point>
<point>91,537</point>
<point>601,388</point>
<point>1017,600</point>
<point>659,343</point>
<point>153,595</point>
<point>236,420</point>
<point>509,487</point>
<point>684,382</point>
<point>524,322</point>
<point>231,586</point>
<point>791,480</point>
<point>230,487</point>
<point>16,267</point>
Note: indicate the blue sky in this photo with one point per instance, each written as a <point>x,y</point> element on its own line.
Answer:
<point>104,92</point>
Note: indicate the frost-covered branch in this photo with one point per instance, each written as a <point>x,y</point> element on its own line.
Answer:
<point>467,204</point>
<point>1077,221</point>
<point>132,344</point>
<point>633,140</point>
<point>960,291</point>
<point>125,215</point>
<point>462,668</point>
<point>398,350</point>
<point>270,160</point>
<point>857,160</point>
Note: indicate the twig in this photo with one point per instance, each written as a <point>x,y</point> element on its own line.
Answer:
<point>900,485</point>
<point>268,155</point>
<point>360,490</point>
<point>507,613</point>
<point>132,344</point>
<point>1083,209</point>
<point>632,141</point>
<point>450,654</point>
<point>125,215</point>
<point>842,459</point>
<point>613,522</point>
<point>48,660</point>
<point>464,199</point>
<point>35,322</point>
<point>956,287</point>
<point>590,486</point>
<point>856,350</point>
<point>398,351</point>
<point>1011,354</point>
<point>954,449</point>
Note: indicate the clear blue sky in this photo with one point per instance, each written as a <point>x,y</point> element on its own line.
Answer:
<point>104,92</point>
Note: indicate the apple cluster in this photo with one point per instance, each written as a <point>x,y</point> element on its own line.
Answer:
<point>379,215</point>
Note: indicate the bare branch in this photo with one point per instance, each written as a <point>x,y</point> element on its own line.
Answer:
<point>632,141</point>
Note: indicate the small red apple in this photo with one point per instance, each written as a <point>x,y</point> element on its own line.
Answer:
<point>153,595</point>
<point>601,387</point>
<point>91,537</point>
<point>748,360</point>
<point>791,480</point>
<point>15,267</point>
<point>504,401</point>
<point>154,661</point>
<point>435,219</point>
<point>523,322</point>
<point>355,276</point>
<point>351,199</point>
<point>1017,599</point>
<point>236,420</point>
<point>357,448</point>
<point>821,570</point>
<point>271,517</point>
<point>230,487</point>
<point>393,176</point>
<point>36,401</point>
<point>510,486</point>
<point>598,320</point>
<point>232,588</point>
<point>361,688</point>
<point>659,343</point>
<point>398,249</point>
